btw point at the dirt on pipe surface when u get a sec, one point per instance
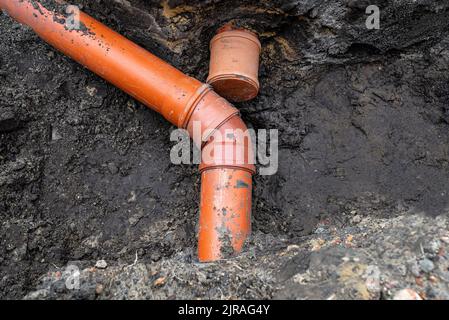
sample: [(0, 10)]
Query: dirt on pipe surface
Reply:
[(357, 210)]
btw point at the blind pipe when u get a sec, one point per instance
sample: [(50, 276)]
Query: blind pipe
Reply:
[(226, 177)]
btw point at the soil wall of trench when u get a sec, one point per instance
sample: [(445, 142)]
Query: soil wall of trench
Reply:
[(85, 171)]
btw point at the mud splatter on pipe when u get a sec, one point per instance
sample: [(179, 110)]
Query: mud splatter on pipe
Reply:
[(225, 208)]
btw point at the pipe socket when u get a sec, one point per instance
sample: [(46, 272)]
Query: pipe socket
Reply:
[(234, 63)]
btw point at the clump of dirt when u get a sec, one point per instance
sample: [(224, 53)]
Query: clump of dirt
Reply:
[(363, 120)]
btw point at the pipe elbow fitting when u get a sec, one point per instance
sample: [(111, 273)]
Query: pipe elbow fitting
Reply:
[(226, 170)]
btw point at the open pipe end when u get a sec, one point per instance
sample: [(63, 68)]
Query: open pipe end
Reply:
[(225, 213)]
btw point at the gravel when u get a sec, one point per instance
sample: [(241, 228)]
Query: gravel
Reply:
[(369, 267)]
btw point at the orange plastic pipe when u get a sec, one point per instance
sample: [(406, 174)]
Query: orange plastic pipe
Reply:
[(182, 100), (234, 63), (226, 189)]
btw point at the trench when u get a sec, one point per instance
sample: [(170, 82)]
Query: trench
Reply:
[(85, 172)]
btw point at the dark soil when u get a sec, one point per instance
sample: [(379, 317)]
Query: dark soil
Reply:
[(85, 172)]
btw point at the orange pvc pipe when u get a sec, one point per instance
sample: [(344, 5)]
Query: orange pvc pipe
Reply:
[(225, 212), (182, 100), (131, 68), (234, 63), (226, 189)]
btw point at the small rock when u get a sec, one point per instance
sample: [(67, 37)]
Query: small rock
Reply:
[(407, 294), (132, 197), (101, 264), (74, 120), (159, 281), (372, 282), (402, 270), (433, 279), (438, 294), (202, 277), (59, 286), (414, 268), (85, 292), (99, 289), (112, 167), (317, 244), (426, 265), (91, 90), (445, 240), (38, 295), (292, 247), (432, 247), (320, 230), (155, 256), (419, 281), (55, 135), (349, 238)]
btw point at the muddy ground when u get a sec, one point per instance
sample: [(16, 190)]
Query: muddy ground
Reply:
[(363, 116)]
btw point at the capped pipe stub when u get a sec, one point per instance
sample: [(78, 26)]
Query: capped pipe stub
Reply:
[(234, 64)]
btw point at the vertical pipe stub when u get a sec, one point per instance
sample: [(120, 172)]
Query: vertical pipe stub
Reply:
[(225, 213), (234, 63)]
